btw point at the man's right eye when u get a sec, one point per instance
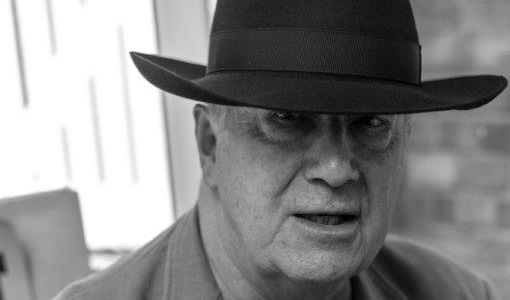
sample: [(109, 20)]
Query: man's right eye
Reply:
[(283, 126)]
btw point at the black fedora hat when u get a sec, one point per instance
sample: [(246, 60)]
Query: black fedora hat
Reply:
[(324, 56)]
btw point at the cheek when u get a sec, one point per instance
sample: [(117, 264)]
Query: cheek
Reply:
[(258, 167), (383, 174), (251, 178)]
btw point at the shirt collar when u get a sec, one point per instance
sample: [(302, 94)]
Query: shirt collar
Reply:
[(189, 275)]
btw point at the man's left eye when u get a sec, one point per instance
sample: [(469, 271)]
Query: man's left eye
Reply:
[(282, 116), (373, 132), (370, 122)]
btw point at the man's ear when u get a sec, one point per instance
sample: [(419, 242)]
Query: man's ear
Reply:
[(206, 142), (408, 127)]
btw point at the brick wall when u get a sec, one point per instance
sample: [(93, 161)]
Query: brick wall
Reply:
[(457, 193)]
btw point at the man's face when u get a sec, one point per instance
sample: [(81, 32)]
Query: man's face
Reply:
[(305, 195)]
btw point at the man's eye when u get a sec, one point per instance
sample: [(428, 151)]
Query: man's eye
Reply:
[(282, 126), (370, 122), (286, 116), (373, 132)]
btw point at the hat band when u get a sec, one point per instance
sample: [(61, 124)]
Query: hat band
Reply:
[(304, 50)]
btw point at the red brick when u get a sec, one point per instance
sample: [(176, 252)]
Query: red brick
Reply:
[(461, 136), (434, 17), (435, 171), (475, 208), (445, 209), (504, 214), (425, 135), (415, 207), (492, 137), (497, 139), (484, 172), (494, 251)]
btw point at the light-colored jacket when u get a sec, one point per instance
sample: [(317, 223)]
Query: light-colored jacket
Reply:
[(174, 267)]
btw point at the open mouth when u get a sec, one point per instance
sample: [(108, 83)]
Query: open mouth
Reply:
[(325, 219)]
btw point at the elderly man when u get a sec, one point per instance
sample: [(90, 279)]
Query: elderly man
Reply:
[(301, 146)]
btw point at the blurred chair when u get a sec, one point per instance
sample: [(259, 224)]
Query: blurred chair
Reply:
[(15, 281), (41, 236)]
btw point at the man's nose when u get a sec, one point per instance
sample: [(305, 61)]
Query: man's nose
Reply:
[(331, 163)]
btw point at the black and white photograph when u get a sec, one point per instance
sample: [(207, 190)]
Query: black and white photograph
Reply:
[(255, 150)]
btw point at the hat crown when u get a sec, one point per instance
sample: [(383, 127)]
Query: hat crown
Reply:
[(382, 18)]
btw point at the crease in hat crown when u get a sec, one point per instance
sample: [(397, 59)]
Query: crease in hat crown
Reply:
[(381, 18), (358, 38)]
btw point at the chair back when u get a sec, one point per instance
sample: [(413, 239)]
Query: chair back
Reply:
[(14, 279), (49, 233)]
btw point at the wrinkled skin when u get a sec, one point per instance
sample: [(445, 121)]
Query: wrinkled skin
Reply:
[(262, 167)]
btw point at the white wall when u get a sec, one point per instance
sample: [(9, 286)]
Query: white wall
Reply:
[(88, 121), (184, 34)]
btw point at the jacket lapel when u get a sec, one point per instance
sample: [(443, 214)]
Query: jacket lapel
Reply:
[(371, 285), (188, 275)]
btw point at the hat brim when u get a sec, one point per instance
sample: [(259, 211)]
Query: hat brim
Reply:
[(316, 93)]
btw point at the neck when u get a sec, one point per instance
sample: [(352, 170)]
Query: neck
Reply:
[(250, 285)]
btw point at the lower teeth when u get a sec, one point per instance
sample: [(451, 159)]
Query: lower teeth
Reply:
[(325, 219)]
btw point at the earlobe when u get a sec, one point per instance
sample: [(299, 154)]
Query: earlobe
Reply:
[(206, 143)]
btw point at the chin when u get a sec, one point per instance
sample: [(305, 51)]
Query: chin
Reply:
[(316, 276), (317, 268)]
